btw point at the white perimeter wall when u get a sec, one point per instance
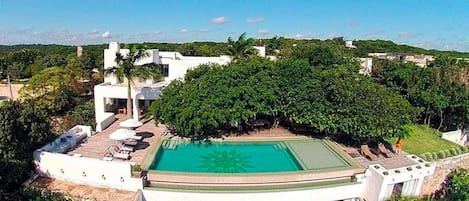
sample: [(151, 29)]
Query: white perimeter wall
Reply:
[(456, 136), (379, 186), (178, 68), (88, 171), (320, 194)]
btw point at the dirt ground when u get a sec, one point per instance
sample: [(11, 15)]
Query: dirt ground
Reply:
[(84, 192), (5, 91)]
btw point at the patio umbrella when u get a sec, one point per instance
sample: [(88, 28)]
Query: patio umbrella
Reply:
[(130, 123), (122, 134)]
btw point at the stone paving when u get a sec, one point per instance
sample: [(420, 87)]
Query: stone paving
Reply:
[(399, 160)]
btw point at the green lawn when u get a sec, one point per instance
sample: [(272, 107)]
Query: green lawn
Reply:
[(423, 139)]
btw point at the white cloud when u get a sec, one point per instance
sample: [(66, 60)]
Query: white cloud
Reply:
[(106, 34), (203, 30), (263, 32), (158, 32), (183, 30), (255, 20), (220, 20), (298, 36)]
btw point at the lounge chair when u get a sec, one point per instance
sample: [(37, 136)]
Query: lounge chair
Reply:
[(385, 151), (365, 151), (114, 151), (130, 142), (124, 147)]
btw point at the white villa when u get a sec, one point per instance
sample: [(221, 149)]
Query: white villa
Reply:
[(327, 170), (110, 97)]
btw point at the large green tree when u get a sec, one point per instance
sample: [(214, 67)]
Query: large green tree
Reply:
[(23, 128), (215, 100), (52, 89), (127, 71)]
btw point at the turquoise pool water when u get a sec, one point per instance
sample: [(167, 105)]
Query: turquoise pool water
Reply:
[(226, 157)]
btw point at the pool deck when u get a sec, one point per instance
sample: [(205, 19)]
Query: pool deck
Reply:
[(400, 160), (96, 145)]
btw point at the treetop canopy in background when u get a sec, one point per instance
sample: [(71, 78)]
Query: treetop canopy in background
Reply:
[(215, 100)]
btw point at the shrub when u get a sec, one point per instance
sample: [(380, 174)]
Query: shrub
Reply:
[(448, 153), (136, 168), (434, 156), (464, 149), (428, 156), (441, 154), (423, 156), (455, 151), (455, 187), (83, 114)]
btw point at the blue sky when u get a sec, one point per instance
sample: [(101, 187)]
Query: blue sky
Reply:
[(424, 23)]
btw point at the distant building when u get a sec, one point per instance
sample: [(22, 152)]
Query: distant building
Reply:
[(260, 50), (79, 51), (366, 66), (349, 44), (419, 59)]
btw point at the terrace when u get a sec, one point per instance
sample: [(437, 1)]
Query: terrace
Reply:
[(97, 145)]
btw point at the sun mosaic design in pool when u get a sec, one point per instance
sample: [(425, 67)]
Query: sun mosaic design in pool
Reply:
[(225, 162)]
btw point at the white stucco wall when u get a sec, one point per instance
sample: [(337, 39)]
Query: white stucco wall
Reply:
[(88, 171), (318, 194), (379, 186), (179, 67), (457, 136)]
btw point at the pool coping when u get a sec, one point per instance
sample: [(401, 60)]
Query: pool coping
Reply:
[(227, 180)]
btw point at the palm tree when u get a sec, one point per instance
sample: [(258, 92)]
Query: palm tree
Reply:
[(127, 70), (242, 48)]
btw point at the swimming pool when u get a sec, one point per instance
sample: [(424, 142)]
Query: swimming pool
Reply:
[(226, 157)]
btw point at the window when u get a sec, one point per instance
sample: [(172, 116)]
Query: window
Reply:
[(164, 69)]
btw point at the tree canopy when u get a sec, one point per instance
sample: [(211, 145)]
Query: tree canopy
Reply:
[(440, 91), (23, 129), (215, 100), (52, 89)]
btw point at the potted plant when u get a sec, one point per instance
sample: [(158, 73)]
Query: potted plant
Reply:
[(409, 168), (385, 173), (136, 171)]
